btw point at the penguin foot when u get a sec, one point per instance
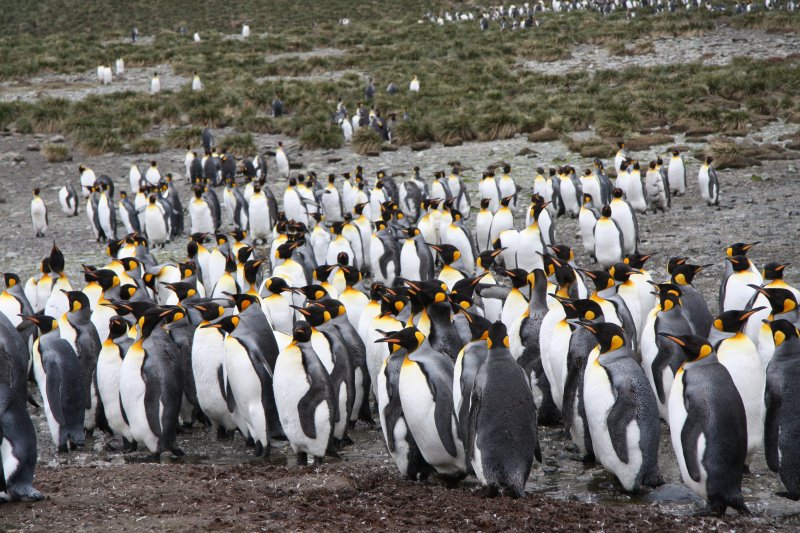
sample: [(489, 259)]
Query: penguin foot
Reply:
[(177, 452), (129, 446), (346, 440), (249, 442), (259, 451), (63, 448), (302, 458), (791, 496), (332, 452), (28, 494), (746, 470), (488, 492)]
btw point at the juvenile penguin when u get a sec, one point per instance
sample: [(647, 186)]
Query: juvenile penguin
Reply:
[(621, 410), (708, 426), (782, 427), (502, 438), (304, 396)]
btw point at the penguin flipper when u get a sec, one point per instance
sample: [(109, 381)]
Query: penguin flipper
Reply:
[(690, 433), (122, 411), (472, 419), (771, 431), (152, 403), (225, 388), (620, 416), (55, 390), (496, 292), (443, 417), (570, 391), (308, 406)]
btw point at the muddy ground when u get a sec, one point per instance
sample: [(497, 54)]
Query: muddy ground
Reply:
[(217, 486)]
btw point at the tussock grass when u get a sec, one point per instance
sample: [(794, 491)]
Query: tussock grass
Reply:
[(56, 153), (366, 140), (183, 137), (239, 144), (146, 146), (322, 136)]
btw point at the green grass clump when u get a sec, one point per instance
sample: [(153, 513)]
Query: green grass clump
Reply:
[(366, 140), (101, 141), (56, 153), (146, 146), (457, 127), (183, 137), (323, 136), (238, 144), (412, 131), (502, 125)]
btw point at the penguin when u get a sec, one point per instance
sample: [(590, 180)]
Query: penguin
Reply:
[(621, 155), (708, 426), (127, 214), (488, 189), (458, 235), (414, 85), (708, 182), (502, 439), (200, 213), (460, 193), (281, 161), (57, 371), (153, 176), (17, 447), (156, 223), (502, 220), (449, 275), (87, 177), (109, 363), (304, 396), (75, 326), (392, 303), (69, 200), (694, 305), (426, 396), (106, 214), (483, 225), (587, 219), (676, 174), (14, 302), (736, 291), (197, 85), (736, 249), (737, 353), (569, 192), (151, 386), (399, 439), (155, 84), (609, 245), (782, 421), (259, 216), (469, 360), (416, 260), (661, 359), (773, 278), (135, 177), (654, 189), (621, 410), (623, 214), (38, 214)]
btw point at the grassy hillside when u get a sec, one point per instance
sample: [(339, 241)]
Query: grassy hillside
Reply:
[(473, 84)]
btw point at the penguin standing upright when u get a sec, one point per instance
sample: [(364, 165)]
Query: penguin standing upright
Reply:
[(708, 426), (736, 291), (695, 308), (623, 214), (58, 374), (708, 182), (502, 439), (109, 363), (621, 410), (38, 214), (676, 174), (69, 200), (609, 240), (151, 386), (654, 189), (782, 427), (281, 161), (304, 396), (416, 260)]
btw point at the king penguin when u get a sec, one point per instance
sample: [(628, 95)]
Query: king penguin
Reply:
[(708, 426)]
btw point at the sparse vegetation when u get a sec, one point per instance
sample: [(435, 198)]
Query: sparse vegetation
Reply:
[(146, 146), (366, 140), (56, 153), (239, 144)]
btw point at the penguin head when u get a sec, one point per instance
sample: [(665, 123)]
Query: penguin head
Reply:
[(684, 274), (77, 300), (334, 307), (209, 309), (411, 232), (709, 160), (117, 327), (739, 248), (506, 200), (739, 263), (127, 291), (393, 301), (238, 235), (782, 330), (780, 300), (605, 212), (244, 253), (314, 314), (486, 258), (427, 292), (130, 264), (10, 279), (322, 273), (694, 347), (276, 285), (586, 310), (182, 289), (518, 277), (478, 325), (243, 301), (285, 250), (674, 262), (498, 336), (485, 203), (587, 199), (36, 192), (637, 260), (376, 290), (56, 260), (620, 145), (301, 331), (610, 337), (447, 252), (602, 279), (45, 323), (652, 165), (409, 338), (675, 152), (151, 199), (199, 238), (312, 292), (774, 271), (188, 269), (733, 321), (668, 300), (562, 252), (251, 269), (227, 324), (172, 314)]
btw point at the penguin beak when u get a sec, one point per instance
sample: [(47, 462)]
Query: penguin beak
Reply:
[(758, 288), (750, 245), (29, 318), (750, 313), (587, 325), (674, 339), (388, 340), (303, 311)]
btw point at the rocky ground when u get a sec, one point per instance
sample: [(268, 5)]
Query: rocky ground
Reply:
[(218, 486)]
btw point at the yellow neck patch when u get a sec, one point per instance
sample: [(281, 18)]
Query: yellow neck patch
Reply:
[(779, 338)]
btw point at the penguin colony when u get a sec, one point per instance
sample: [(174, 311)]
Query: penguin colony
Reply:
[(465, 342), (523, 16)]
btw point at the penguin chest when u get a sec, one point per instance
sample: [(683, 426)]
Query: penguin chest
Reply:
[(677, 419), (555, 364), (410, 263), (277, 310), (207, 362), (41, 380), (132, 391), (242, 377), (529, 243), (483, 223), (109, 368), (419, 409), (514, 306), (737, 290), (449, 276), (587, 222)]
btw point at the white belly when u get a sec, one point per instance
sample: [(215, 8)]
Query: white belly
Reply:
[(108, 381), (207, 357), (131, 392)]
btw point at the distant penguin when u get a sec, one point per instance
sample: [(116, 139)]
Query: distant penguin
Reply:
[(120, 66), (281, 161), (708, 182), (38, 214), (782, 428), (196, 37), (654, 189), (708, 426), (624, 215), (87, 177), (69, 200), (197, 85), (414, 85), (502, 438), (621, 410), (155, 84), (676, 174), (245, 30)]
